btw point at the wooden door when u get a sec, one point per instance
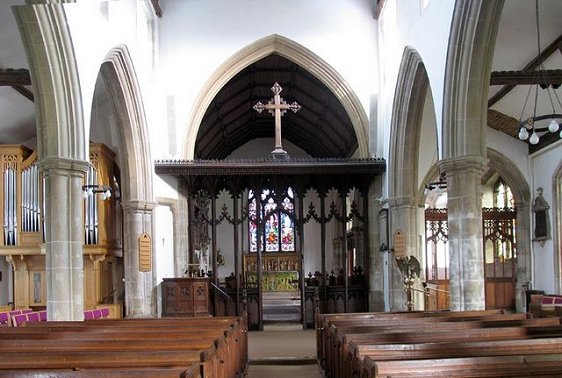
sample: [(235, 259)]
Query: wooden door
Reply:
[(500, 257)]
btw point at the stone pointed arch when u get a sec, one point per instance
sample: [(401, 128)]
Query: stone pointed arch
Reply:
[(62, 150), (431, 174), (405, 127), (409, 100), (120, 78), (511, 174), (513, 177), (467, 77), (463, 143), (58, 100), (276, 44)]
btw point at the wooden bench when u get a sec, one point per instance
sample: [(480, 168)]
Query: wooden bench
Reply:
[(528, 365), (452, 349), (359, 346), (545, 305), (214, 347), (323, 322), (135, 337), (340, 332), (354, 346)]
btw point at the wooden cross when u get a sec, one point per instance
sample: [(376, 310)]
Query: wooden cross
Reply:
[(277, 107)]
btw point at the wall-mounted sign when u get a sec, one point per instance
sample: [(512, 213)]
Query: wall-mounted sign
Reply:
[(145, 253), (399, 244)]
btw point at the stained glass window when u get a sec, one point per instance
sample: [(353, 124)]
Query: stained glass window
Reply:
[(503, 197), (279, 224)]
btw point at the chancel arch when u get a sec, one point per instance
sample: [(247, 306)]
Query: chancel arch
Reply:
[(294, 52)]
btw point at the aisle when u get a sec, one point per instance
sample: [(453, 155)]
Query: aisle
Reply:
[(283, 351)]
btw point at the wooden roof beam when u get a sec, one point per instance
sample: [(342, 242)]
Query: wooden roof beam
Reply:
[(532, 65), (14, 77), (544, 78)]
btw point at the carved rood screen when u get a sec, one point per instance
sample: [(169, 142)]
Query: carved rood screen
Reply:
[(436, 237)]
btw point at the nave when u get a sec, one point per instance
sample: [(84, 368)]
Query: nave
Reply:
[(282, 350)]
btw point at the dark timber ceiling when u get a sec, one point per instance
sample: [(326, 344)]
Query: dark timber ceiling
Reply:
[(321, 127)]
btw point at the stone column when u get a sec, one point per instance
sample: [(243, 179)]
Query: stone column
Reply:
[(466, 252), (64, 238), (140, 292), (524, 259), (403, 211)]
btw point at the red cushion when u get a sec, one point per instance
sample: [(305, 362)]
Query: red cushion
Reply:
[(19, 320), (547, 300)]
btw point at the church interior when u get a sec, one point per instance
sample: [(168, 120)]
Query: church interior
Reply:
[(235, 166)]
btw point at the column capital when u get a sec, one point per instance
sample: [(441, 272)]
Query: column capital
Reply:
[(139, 205), (403, 201), (474, 163), (66, 165)]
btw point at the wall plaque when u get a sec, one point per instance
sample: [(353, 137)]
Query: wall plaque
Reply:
[(145, 253), (399, 241)]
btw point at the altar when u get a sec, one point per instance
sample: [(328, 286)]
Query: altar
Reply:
[(280, 271)]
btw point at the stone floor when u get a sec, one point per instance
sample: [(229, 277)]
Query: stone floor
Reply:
[(283, 350)]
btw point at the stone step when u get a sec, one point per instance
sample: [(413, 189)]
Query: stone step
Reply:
[(281, 302)]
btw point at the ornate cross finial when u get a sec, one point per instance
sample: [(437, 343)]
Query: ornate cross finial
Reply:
[(277, 107)]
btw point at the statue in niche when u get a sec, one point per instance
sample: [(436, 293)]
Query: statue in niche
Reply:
[(542, 220)]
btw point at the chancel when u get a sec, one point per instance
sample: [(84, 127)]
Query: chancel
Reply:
[(220, 173)]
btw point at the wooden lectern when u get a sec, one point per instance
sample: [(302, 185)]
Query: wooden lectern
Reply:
[(185, 296)]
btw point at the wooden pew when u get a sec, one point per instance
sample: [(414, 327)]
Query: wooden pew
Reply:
[(117, 330), (216, 347), (340, 332), (354, 346), (439, 345), (527, 365), (323, 322)]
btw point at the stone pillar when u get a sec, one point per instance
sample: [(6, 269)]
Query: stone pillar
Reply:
[(466, 252), (64, 237), (403, 211), (140, 294), (524, 258)]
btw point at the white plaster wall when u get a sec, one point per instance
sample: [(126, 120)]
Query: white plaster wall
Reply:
[(543, 169), (514, 149), (97, 27), (412, 28), (163, 255), (262, 147), (198, 36), (428, 154), (164, 243)]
